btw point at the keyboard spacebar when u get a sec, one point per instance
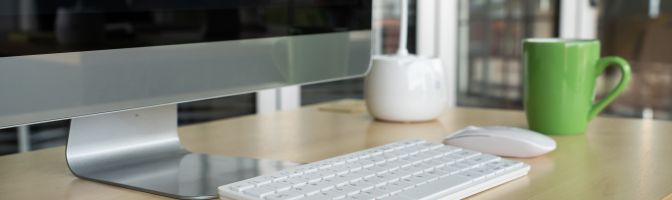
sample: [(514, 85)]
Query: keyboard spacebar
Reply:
[(437, 188)]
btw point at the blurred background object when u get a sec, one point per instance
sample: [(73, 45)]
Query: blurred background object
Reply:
[(489, 70), (641, 32)]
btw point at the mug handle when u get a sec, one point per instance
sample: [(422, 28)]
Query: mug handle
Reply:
[(602, 64)]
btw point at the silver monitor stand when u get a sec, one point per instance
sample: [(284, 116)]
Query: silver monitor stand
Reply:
[(140, 150)]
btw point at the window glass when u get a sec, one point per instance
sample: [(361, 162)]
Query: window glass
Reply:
[(639, 31), (490, 32)]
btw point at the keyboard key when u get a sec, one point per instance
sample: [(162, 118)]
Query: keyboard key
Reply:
[(440, 185), (471, 174), (484, 158), (239, 187), (414, 149), (286, 195), (486, 170), (306, 178), (259, 192), (435, 163), (396, 197), (347, 189), (363, 185), (378, 168), (400, 185), (446, 160), (447, 149), (394, 175), (377, 194), (363, 196), (434, 173), (364, 163), (278, 186), (325, 195), (377, 160), (386, 189), (467, 153), (420, 178), (315, 187), (460, 166)]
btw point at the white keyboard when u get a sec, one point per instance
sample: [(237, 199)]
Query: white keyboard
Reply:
[(413, 170)]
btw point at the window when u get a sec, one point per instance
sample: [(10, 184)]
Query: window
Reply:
[(639, 31), (490, 34)]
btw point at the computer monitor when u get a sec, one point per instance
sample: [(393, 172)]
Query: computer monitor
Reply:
[(118, 69)]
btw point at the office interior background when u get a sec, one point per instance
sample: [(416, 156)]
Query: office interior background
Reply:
[(488, 70)]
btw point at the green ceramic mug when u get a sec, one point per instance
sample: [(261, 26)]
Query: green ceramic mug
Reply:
[(559, 83)]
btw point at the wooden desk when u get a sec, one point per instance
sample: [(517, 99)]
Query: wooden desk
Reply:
[(616, 159)]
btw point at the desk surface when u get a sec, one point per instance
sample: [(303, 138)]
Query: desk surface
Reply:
[(617, 158)]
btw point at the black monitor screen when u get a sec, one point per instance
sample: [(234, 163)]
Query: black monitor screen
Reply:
[(57, 26)]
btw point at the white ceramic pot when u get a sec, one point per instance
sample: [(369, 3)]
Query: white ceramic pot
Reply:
[(405, 88)]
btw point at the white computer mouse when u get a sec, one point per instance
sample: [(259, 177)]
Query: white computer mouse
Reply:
[(502, 141)]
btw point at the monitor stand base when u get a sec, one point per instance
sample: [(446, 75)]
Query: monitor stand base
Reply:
[(141, 150)]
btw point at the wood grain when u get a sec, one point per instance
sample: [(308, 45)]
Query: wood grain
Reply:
[(616, 159)]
